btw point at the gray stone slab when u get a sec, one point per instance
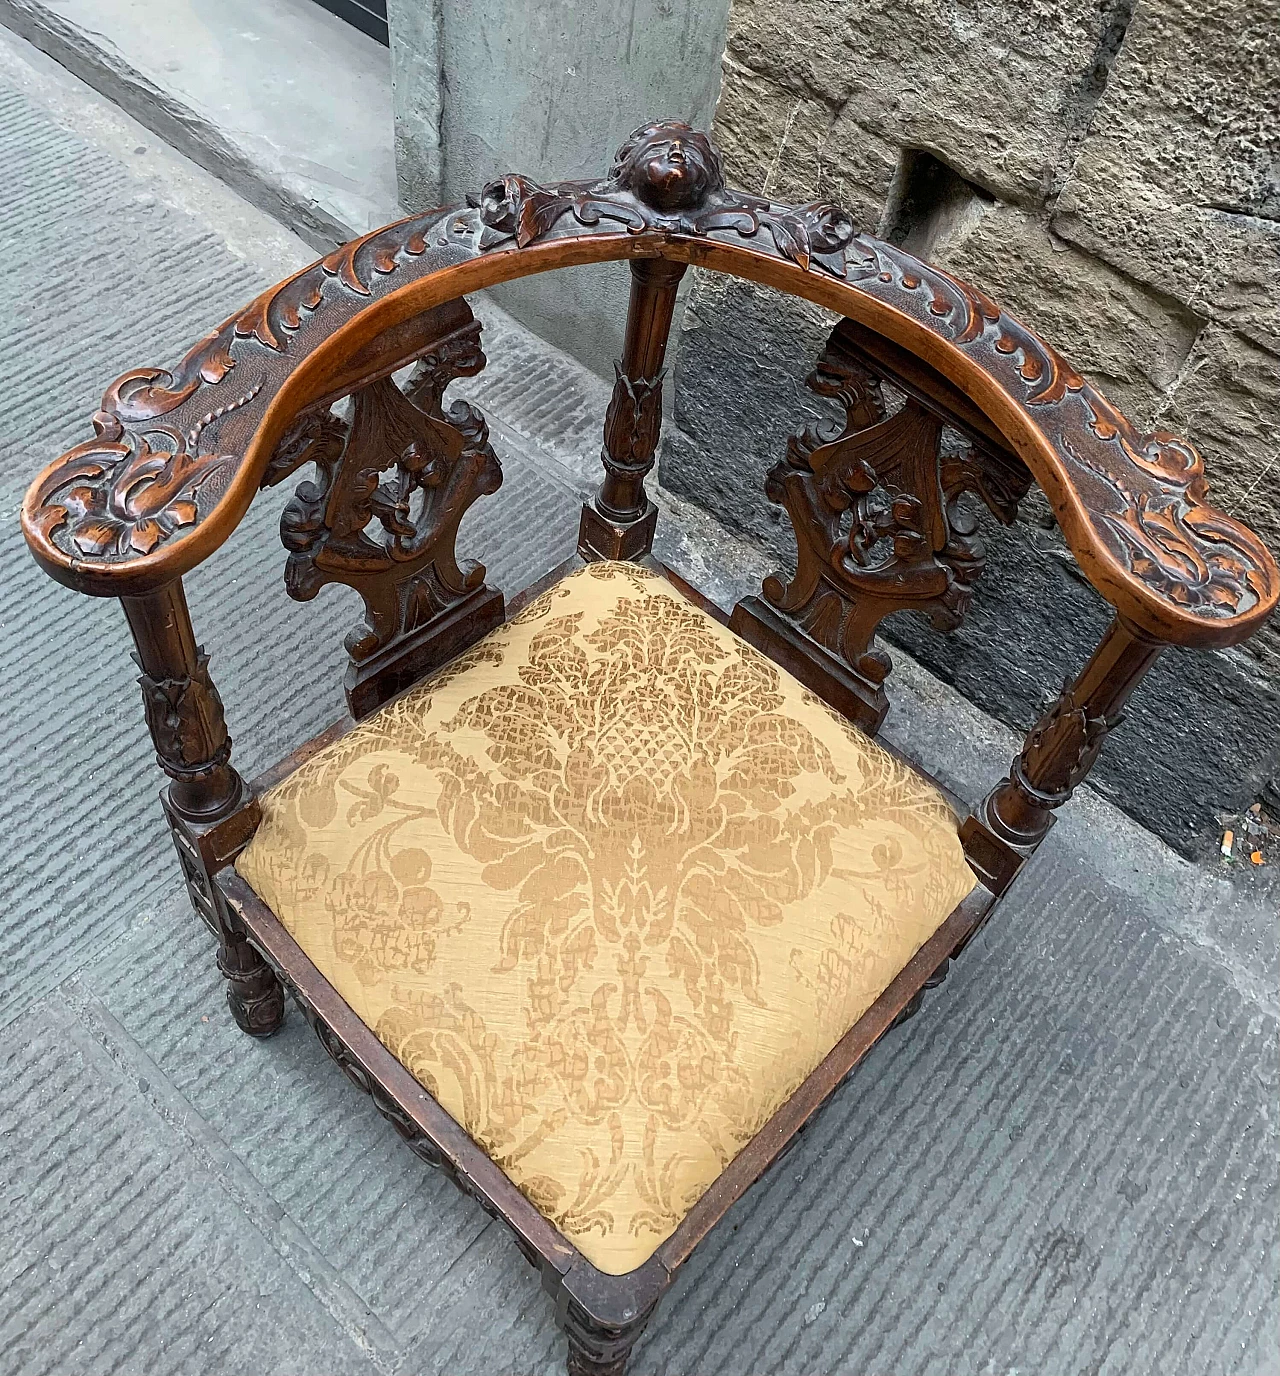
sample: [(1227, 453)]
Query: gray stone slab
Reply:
[(1065, 1164), (297, 1133), (284, 101), (122, 1251), (550, 90)]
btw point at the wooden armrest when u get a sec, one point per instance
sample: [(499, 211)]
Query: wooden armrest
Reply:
[(178, 455)]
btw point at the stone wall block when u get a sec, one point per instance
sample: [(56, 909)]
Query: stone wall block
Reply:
[(1178, 180), (995, 90), (798, 148), (1129, 340), (1227, 396)]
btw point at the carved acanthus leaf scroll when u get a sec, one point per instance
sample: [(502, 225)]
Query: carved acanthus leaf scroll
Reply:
[(632, 424), (879, 521), (186, 722), (1063, 745), (390, 489), (1133, 506)]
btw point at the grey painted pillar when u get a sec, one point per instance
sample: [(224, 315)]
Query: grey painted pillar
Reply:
[(484, 87), (414, 27)]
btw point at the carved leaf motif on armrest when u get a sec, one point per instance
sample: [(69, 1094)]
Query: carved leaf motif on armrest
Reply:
[(134, 507)]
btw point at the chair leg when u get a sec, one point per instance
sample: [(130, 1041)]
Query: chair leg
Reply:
[(184, 716), (585, 1363), (603, 1316), (253, 992)]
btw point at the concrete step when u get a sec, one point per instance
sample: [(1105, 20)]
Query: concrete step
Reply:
[(283, 101)]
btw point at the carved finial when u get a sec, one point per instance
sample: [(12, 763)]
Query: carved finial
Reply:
[(669, 165)]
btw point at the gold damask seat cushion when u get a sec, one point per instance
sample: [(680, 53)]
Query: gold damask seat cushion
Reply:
[(610, 886)]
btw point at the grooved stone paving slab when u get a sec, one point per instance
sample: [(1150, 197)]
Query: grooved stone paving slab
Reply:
[(1065, 1165), (98, 277), (124, 1251)]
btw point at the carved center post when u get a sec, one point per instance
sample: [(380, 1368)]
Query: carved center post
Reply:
[(621, 523)]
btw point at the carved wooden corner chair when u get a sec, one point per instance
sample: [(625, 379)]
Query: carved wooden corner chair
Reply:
[(604, 909)]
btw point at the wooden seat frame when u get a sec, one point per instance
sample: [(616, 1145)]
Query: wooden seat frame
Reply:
[(880, 505)]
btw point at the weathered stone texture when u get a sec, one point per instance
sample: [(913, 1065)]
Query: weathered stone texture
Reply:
[(1108, 173), (1136, 341), (796, 147), (1228, 398), (994, 88), (742, 366), (1178, 181)]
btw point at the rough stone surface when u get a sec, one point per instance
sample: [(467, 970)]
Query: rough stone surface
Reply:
[(1137, 341), (736, 343), (1108, 174), (1178, 181), (1227, 395), (996, 90), (810, 149)]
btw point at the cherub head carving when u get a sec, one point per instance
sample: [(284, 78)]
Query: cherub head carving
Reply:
[(669, 165)]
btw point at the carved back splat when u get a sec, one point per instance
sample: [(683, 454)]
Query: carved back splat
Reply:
[(879, 526), (382, 516)]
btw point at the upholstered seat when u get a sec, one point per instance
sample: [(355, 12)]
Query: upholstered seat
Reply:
[(610, 886)]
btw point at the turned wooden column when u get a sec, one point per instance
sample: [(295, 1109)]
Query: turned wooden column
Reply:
[(208, 808), (620, 523), (1062, 746), (184, 711)]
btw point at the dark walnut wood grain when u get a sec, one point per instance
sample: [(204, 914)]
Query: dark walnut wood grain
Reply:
[(881, 501), (177, 455), (881, 525)]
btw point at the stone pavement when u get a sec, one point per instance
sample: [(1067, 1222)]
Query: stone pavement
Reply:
[(1066, 1164)]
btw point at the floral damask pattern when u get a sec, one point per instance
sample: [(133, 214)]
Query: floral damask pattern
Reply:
[(610, 887)]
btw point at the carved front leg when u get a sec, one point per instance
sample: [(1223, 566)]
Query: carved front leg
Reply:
[(207, 805), (603, 1316)]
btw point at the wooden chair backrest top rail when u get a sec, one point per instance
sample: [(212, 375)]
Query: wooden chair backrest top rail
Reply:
[(178, 455)]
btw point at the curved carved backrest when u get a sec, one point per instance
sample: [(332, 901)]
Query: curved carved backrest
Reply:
[(878, 500)]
